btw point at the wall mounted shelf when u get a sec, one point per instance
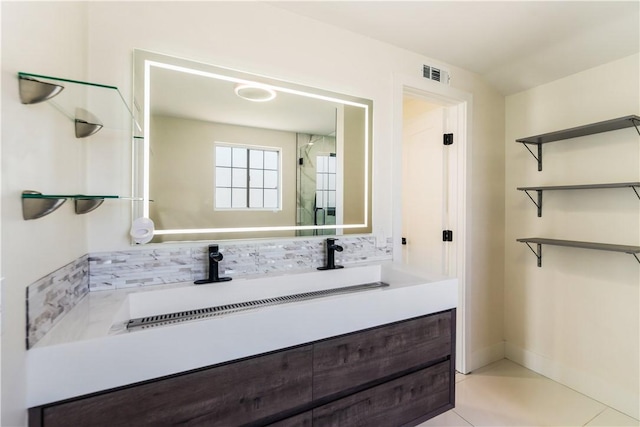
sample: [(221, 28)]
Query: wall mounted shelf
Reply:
[(36, 205), (539, 190), (590, 129), (633, 250), (89, 105)]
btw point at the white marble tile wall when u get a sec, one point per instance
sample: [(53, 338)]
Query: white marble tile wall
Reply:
[(54, 295), (49, 298)]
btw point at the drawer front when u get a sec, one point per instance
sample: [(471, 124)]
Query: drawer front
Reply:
[(396, 403), (350, 361), (224, 396)]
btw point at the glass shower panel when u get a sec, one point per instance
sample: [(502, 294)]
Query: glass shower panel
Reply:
[(316, 164)]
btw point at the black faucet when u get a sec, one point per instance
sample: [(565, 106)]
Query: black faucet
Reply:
[(331, 255), (214, 258)]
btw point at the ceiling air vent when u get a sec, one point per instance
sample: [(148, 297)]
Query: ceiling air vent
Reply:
[(435, 74)]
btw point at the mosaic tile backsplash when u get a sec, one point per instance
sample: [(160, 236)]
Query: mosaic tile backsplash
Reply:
[(126, 269), (54, 295), (51, 297)]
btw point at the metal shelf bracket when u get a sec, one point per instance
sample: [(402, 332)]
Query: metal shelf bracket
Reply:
[(537, 253), (538, 157), (538, 203)]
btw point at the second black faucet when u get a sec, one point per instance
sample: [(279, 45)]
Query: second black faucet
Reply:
[(331, 255), (215, 256)]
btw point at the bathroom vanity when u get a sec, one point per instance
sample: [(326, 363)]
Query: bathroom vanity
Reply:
[(377, 358)]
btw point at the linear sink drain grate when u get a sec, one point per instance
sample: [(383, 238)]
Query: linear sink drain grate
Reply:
[(219, 310)]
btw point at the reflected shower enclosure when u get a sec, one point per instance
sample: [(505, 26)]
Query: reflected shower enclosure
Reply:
[(316, 194)]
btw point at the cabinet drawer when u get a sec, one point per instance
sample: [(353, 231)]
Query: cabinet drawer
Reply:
[(227, 395), (406, 400), (350, 361)]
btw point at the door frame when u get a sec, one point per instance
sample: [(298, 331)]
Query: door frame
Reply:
[(442, 94)]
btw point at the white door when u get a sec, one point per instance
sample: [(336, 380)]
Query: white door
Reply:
[(425, 190)]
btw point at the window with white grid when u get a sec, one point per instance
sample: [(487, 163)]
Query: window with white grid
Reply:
[(247, 177)]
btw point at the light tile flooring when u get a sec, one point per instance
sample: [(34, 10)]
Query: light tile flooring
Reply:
[(507, 394)]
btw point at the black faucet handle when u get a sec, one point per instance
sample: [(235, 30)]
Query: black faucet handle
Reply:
[(214, 253), (331, 244)]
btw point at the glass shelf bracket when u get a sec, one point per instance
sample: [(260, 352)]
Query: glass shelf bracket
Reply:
[(36, 205), (590, 129), (78, 101)]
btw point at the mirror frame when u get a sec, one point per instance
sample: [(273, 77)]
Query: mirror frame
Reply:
[(143, 60)]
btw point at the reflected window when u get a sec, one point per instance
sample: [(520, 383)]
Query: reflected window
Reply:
[(247, 177)]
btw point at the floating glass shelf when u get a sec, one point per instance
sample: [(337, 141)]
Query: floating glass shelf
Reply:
[(36, 205), (633, 250), (89, 105)]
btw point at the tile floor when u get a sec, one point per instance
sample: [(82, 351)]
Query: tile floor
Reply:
[(507, 394)]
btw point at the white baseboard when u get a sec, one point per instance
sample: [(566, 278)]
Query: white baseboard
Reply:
[(584, 382), (484, 356)]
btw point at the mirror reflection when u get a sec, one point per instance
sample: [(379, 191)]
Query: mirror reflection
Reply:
[(226, 154)]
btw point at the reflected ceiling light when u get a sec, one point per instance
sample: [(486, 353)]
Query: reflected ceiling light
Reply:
[(254, 93)]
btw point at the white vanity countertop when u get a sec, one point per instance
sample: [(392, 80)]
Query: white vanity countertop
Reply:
[(88, 350)]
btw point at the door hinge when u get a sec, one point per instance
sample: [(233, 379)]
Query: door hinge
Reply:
[(448, 139), (404, 241), (447, 236)]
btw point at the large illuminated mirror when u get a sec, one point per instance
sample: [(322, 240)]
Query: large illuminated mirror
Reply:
[(230, 155)]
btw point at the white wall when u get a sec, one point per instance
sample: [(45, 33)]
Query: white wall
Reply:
[(254, 37), (39, 152), (576, 319)]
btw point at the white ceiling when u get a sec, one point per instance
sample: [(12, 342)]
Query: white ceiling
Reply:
[(514, 45)]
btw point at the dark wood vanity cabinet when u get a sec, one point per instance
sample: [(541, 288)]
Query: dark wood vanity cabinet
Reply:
[(393, 375)]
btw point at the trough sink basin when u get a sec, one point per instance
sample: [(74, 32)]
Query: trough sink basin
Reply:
[(197, 302), (219, 310)]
